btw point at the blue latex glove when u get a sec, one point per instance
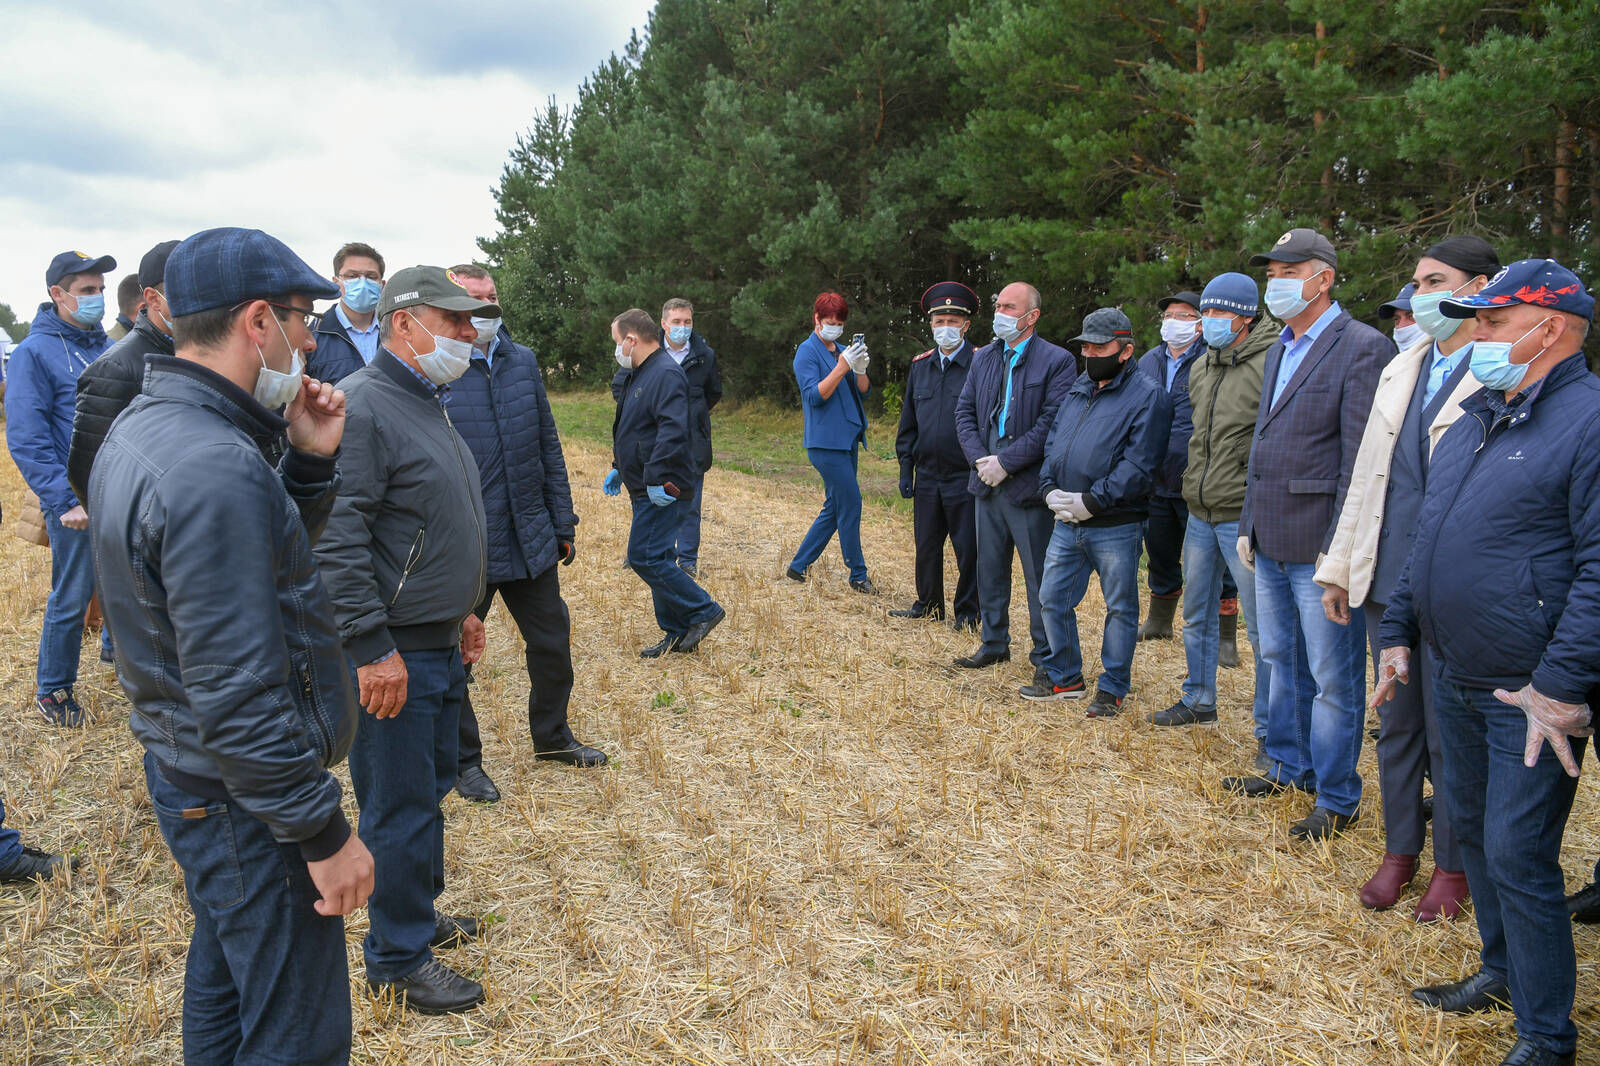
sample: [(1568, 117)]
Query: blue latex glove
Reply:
[(613, 484), (658, 495)]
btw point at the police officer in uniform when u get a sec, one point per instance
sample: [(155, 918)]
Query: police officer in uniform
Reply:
[(933, 468)]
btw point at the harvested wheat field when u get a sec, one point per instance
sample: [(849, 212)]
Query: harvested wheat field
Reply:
[(817, 843)]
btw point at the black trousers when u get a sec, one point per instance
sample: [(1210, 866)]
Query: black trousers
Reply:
[(541, 616), (943, 509), (1163, 544)]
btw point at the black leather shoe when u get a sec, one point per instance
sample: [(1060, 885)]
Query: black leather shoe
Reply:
[(452, 930), (656, 651), (1427, 808), (432, 988), (866, 586), (918, 611), (697, 632), (1254, 787), (794, 575), (1584, 904), (1523, 1053), (980, 658), (473, 784), (1321, 824), (968, 625), (579, 755), (1483, 991), (32, 862)]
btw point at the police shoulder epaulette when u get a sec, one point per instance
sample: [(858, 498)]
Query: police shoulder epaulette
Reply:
[(923, 356)]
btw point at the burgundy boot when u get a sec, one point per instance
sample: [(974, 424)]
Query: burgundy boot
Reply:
[(1445, 894), (1394, 874)]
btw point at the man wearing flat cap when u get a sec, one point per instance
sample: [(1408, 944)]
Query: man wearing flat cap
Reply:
[(933, 468), (65, 337), (1317, 392), (404, 557), (1503, 585), (227, 649)]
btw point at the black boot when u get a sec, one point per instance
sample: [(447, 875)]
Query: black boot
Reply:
[(1228, 628), (1158, 626)]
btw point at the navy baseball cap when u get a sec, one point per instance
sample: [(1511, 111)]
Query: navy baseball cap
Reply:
[(1105, 325), (226, 266), (1541, 282), (1184, 297), (77, 263), (1401, 302), (153, 267), (950, 297)]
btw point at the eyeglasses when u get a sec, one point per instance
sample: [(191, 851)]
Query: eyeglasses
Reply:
[(351, 275), (1180, 316), (307, 315)]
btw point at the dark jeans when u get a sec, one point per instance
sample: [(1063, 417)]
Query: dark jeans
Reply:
[(541, 617), (266, 979), (71, 586), (401, 768), (945, 510), (10, 841), (841, 512), (688, 547), (1004, 527), (1164, 533), (679, 601), (1509, 823)]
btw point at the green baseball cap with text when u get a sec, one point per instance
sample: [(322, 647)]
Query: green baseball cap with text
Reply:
[(431, 286)]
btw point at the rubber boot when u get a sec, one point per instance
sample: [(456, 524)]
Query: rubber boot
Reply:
[(1228, 627), (1158, 626)]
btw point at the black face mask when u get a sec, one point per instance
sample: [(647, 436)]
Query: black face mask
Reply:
[(1102, 368)]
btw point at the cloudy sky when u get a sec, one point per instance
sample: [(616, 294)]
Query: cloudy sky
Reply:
[(322, 121)]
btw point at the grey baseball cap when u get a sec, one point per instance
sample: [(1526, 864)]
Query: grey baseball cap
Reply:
[(431, 286), (1297, 246), (1105, 325)]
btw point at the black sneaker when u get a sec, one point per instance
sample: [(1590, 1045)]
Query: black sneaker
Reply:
[(32, 862), (1104, 705), (656, 651), (59, 708), (795, 575), (432, 988), (1181, 713), (1042, 691), (865, 585)]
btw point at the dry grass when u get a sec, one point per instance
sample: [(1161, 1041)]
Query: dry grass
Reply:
[(817, 844)]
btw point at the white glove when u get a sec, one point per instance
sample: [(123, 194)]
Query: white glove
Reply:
[(1394, 668), (856, 356), (1056, 500), (990, 472), (1549, 720), (1075, 509), (1247, 554)]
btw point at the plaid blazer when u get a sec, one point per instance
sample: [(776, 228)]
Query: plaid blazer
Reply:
[(1305, 445)]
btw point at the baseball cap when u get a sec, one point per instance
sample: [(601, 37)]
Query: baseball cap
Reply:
[(951, 297), (153, 267), (431, 286), (77, 263), (1541, 282), (228, 265), (1468, 253), (1232, 291), (1105, 325), (1297, 246), (1184, 297), (1401, 302)]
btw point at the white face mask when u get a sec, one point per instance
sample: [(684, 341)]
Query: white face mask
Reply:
[(830, 333), (623, 360), (275, 389), (1406, 336), (448, 360), (1178, 333), (487, 328), (948, 338)]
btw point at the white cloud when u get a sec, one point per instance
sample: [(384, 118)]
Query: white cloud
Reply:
[(273, 122)]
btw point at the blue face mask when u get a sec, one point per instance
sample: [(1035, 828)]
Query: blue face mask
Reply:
[(1285, 297), (1425, 309), (1218, 332), (679, 335), (91, 309), (361, 295), (1491, 362)]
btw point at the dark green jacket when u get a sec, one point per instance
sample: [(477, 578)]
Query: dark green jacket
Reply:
[(1225, 391)]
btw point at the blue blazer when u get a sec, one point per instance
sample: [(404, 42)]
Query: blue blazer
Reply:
[(840, 421)]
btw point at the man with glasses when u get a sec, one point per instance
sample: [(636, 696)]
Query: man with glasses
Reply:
[(347, 338), (227, 649)]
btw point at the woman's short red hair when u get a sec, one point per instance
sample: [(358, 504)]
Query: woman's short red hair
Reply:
[(831, 305)]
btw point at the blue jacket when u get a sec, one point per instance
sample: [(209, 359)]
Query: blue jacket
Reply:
[(705, 392), (840, 421), (41, 395), (1044, 374), (1169, 479), (502, 410), (1108, 444), (336, 356), (1504, 576), (650, 434)]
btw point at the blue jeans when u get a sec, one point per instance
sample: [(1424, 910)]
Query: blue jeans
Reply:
[(71, 586), (402, 767), (1112, 552), (1314, 726), (1509, 820), (679, 601), (266, 979), (688, 546), (1211, 551), (841, 512), (10, 840)]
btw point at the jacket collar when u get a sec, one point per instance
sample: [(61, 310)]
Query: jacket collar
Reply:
[(147, 329), (1085, 385), (1520, 407), (46, 321), (1320, 347), (330, 324), (189, 381), (401, 375), (962, 356)]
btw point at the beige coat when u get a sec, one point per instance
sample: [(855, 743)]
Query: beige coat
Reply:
[(1352, 556)]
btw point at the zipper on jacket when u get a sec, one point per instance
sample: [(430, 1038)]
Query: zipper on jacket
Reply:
[(1211, 415), (412, 558), (1066, 453), (323, 726)]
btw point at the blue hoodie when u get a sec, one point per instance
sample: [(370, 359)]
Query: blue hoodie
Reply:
[(41, 393)]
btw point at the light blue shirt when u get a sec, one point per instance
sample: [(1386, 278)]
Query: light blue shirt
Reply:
[(1440, 367), (1015, 356), (1295, 349), (487, 355), (365, 340)]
